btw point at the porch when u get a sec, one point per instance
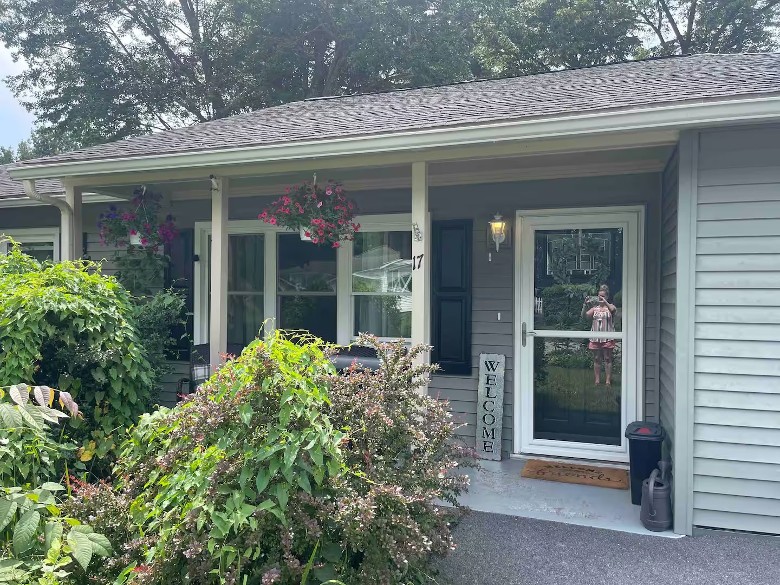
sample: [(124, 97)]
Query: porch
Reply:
[(468, 296), (498, 488)]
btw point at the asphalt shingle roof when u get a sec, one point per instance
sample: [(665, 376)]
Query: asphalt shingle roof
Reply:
[(11, 189), (636, 84)]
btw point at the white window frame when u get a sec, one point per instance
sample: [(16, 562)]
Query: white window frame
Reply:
[(202, 269), (33, 236), (345, 312), (397, 222)]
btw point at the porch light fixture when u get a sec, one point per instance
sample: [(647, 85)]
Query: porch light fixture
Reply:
[(497, 230)]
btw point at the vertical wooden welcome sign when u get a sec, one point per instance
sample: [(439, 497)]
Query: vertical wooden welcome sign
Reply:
[(490, 409)]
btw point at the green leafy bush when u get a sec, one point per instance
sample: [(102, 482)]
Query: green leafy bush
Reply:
[(278, 470), (29, 455), (38, 545), (155, 317), (68, 326)]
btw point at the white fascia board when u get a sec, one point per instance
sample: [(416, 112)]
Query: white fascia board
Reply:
[(29, 202), (676, 116)]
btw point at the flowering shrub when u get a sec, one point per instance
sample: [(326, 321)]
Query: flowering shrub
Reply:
[(324, 214), (139, 225), (280, 471)]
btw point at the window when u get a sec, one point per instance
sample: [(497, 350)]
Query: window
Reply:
[(246, 277), (41, 244), (306, 286), (382, 283), (334, 293)]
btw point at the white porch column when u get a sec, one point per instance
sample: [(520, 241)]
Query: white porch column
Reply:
[(421, 249), (71, 238), (218, 270)]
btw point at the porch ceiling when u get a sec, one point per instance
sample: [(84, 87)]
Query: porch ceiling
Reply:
[(471, 170)]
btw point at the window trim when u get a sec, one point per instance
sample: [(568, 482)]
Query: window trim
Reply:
[(345, 311), (34, 236)]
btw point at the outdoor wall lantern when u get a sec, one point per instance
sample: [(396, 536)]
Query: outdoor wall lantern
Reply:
[(498, 230)]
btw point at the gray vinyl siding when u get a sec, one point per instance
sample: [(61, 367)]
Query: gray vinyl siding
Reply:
[(493, 288), (736, 429), (668, 298)]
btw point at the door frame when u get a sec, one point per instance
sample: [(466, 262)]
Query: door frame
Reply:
[(633, 372)]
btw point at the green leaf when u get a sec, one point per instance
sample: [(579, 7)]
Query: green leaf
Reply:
[(304, 483), (7, 511), (52, 487), (51, 531), (246, 411), (282, 495), (25, 531), (81, 546), (262, 480), (101, 546), (19, 394), (9, 416)]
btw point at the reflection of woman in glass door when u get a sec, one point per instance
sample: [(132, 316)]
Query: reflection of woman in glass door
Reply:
[(601, 316)]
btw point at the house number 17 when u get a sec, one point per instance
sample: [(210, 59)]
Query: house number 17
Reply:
[(417, 261)]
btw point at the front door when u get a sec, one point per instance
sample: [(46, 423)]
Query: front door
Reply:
[(580, 282)]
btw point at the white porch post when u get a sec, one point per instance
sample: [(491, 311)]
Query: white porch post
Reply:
[(218, 270), (71, 225), (421, 249)]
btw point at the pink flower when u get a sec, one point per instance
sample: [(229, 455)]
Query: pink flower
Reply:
[(272, 221), (328, 191), (336, 245)]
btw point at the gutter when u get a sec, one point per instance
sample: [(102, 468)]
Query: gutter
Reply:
[(61, 204), (677, 117)]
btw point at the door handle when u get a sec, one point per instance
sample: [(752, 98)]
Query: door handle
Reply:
[(525, 333)]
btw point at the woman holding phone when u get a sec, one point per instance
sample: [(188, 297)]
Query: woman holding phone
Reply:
[(601, 315)]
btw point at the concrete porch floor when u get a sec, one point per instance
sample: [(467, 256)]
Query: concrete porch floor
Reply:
[(498, 488)]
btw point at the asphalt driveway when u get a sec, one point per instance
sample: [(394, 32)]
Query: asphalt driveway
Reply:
[(505, 550)]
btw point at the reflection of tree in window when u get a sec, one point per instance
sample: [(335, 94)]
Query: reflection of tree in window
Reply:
[(382, 283), (306, 286)]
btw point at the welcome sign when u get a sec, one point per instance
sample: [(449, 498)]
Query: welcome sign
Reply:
[(490, 409)]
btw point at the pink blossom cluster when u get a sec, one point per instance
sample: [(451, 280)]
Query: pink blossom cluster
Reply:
[(326, 215)]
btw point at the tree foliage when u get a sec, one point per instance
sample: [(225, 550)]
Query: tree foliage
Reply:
[(710, 26)]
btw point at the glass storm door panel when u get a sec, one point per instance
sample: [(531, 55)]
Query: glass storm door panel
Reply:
[(578, 332)]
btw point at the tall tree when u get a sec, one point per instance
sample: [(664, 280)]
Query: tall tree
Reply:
[(530, 36), (106, 69), (710, 26)]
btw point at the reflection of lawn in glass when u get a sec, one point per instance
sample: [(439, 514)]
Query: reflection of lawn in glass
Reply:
[(574, 389)]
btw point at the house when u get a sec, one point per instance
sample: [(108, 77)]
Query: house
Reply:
[(659, 179)]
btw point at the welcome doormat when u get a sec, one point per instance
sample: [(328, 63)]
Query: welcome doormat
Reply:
[(575, 473)]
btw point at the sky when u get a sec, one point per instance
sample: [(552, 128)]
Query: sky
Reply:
[(15, 122)]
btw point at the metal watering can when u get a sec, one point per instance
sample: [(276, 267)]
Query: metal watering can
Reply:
[(656, 512)]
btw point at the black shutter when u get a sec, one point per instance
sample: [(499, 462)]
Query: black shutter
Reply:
[(451, 296)]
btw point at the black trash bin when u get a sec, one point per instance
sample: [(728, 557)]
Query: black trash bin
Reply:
[(644, 450)]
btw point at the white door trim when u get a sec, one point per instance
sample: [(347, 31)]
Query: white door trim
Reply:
[(632, 218)]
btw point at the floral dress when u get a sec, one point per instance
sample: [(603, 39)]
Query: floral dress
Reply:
[(602, 321)]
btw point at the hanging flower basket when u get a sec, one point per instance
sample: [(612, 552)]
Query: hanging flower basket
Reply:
[(322, 215), (139, 224)]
